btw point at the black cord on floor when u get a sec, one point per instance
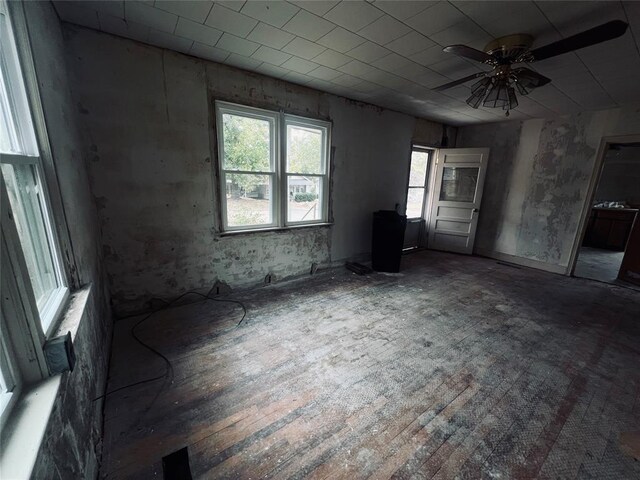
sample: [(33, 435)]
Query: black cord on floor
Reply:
[(169, 367)]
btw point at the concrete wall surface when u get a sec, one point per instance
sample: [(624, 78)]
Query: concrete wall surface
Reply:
[(72, 442), (151, 146), (537, 181)]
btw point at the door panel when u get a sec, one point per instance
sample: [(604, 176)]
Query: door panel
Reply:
[(456, 202)]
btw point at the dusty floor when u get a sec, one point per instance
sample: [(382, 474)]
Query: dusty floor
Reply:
[(598, 264), (457, 367)]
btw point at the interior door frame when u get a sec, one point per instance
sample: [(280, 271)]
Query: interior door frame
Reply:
[(428, 187), (598, 166)]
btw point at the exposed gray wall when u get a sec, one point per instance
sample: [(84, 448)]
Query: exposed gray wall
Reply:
[(537, 181), (620, 178), (151, 144), (71, 446)]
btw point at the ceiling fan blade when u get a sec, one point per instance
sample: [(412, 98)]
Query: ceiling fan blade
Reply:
[(602, 33), (468, 52), (530, 79), (458, 82)]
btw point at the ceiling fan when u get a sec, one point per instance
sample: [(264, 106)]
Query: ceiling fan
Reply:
[(497, 87)]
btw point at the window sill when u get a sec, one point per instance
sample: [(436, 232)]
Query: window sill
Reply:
[(28, 420), (274, 229)]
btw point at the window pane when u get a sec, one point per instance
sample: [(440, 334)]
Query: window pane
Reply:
[(459, 184), (305, 198), (415, 199), (304, 150), (247, 143), (418, 173), (25, 197), (249, 199)]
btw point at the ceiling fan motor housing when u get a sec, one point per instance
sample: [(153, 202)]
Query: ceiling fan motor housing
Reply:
[(509, 48)]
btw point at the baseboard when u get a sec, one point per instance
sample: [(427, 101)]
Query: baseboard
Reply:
[(525, 262)]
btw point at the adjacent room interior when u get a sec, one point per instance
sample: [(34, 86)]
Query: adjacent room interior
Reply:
[(313, 239)]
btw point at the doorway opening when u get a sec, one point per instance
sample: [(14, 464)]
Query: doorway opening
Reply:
[(612, 215), (417, 197)]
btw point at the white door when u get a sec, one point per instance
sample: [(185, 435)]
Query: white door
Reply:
[(456, 198)]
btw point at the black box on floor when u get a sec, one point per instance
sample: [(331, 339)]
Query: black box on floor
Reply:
[(387, 240)]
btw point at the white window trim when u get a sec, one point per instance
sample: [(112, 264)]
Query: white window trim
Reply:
[(279, 175), (22, 322), (427, 179)]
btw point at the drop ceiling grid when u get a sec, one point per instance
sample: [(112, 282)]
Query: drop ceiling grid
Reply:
[(389, 47)]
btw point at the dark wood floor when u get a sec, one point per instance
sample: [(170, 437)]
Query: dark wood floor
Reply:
[(457, 367)]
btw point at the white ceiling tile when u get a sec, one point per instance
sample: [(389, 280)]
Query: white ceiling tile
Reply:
[(74, 12), (196, 10), (436, 18), (275, 13), (465, 32), (119, 26), (298, 78), (431, 55), (198, 32), (386, 79), (366, 87), (270, 36), (299, 65), (431, 79), (241, 61), (108, 7), (309, 26), (272, 70), (324, 73), (392, 62), (368, 52), (229, 21), (208, 52), (384, 30), (347, 80), (353, 15), (271, 55), (405, 9), (341, 40), (357, 68), (332, 59), (454, 68), (232, 4), (237, 45), (319, 7), (412, 71), (303, 48), (152, 17), (170, 41), (410, 44)]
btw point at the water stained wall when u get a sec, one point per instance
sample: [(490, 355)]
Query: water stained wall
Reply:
[(151, 145), (537, 181)]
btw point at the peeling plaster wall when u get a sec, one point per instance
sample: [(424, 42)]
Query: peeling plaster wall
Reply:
[(72, 441), (537, 181), (151, 148)]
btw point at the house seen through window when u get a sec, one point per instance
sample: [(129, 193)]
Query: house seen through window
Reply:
[(269, 179)]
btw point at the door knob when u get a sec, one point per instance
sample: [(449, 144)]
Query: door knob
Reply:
[(476, 210)]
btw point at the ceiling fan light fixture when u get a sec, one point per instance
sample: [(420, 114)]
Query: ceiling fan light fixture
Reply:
[(522, 90), (476, 97), (498, 96)]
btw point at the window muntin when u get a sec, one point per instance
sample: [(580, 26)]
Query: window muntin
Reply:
[(416, 190), (266, 181)]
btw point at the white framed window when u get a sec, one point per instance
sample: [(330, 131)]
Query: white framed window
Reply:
[(273, 168), (418, 182), (33, 275)]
